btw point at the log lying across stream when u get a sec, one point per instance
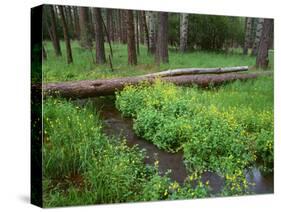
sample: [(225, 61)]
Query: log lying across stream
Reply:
[(93, 88)]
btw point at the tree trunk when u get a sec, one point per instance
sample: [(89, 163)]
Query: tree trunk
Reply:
[(248, 28), (137, 33), (146, 33), (119, 28), (54, 33), (257, 37), (141, 27), (262, 56), (85, 32), (76, 22), (132, 56), (66, 36), (70, 21), (109, 24), (92, 88), (161, 55), (152, 17), (122, 28), (100, 53), (183, 32)]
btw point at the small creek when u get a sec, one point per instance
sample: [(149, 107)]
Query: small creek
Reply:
[(116, 125)]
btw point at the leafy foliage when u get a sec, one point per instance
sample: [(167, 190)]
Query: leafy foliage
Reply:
[(223, 130)]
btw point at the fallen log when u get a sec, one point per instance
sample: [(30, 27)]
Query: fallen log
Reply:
[(186, 71), (93, 88)]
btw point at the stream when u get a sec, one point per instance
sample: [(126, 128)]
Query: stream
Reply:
[(116, 125)]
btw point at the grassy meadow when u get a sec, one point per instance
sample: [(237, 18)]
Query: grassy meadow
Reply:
[(56, 69)]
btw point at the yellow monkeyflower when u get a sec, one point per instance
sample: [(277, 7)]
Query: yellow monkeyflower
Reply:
[(156, 162)]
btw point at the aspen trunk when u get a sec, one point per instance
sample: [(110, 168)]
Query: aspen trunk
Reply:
[(183, 32)]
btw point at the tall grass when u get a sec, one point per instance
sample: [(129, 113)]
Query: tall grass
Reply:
[(56, 68), (81, 165)]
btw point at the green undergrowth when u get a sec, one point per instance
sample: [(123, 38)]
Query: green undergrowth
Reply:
[(224, 130), (81, 165), (55, 69)]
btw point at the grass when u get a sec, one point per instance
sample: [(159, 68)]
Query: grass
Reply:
[(56, 69), (81, 165)]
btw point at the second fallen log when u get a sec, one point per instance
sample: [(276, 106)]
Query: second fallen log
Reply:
[(187, 71)]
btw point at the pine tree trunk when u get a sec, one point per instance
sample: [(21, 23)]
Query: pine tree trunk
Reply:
[(66, 36), (76, 23), (100, 53), (183, 32), (68, 17), (262, 56), (54, 33), (109, 24), (85, 32), (132, 56), (248, 28), (119, 27), (141, 27), (137, 33), (258, 37), (152, 31), (124, 28), (146, 33), (161, 55)]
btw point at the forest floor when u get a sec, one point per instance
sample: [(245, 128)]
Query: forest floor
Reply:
[(56, 69)]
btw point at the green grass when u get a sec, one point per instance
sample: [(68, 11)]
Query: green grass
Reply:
[(56, 69), (81, 165)]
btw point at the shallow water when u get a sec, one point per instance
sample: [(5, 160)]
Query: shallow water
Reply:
[(116, 125)]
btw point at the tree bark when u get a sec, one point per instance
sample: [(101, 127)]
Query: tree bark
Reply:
[(146, 33), (257, 37), (123, 26), (92, 88), (152, 17), (66, 36), (137, 33), (262, 56), (109, 23), (76, 22), (247, 40), (70, 21), (85, 32), (54, 33), (183, 32), (132, 56), (141, 27), (100, 53), (161, 55)]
